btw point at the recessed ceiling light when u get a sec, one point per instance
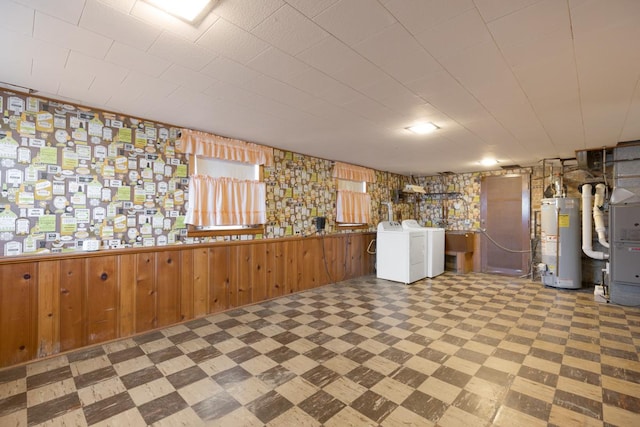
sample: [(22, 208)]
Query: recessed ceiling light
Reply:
[(191, 11), (488, 162), (422, 128)]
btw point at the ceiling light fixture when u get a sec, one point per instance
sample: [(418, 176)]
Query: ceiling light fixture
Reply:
[(488, 162), (422, 128), (191, 11)]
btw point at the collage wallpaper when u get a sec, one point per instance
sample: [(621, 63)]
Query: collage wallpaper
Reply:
[(73, 176)]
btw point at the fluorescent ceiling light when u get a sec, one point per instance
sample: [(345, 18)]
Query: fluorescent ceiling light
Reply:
[(423, 128), (488, 162), (191, 11)]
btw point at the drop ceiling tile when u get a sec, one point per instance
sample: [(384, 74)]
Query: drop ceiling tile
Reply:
[(83, 64), (393, 95), (138, 92), (278, 64), (67, 10), (395, 51), (232, 41), (596, 16), (330, 55), (360, 74), (290, 31), (353, 21), (247, 14), (188, 78), (551, 47), (48, 28), (279, 91), (371, 110), (494, 9), (135, 59), (178, 50), (460, 32), (119, 26), (123, 5), (311, 8), (420, 15), (324, 87), (17, 17), (531, 23), (229, 71), (176, 26)]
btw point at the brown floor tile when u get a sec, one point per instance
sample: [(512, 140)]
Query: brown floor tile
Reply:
[(321, 406)]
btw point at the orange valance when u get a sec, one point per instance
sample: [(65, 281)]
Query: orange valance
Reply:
[(218, 147), (353, 173), (353, 208)]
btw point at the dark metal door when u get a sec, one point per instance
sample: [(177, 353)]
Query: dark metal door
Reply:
[(504, 214)]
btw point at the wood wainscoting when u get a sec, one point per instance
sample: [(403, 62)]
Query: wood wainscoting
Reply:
[(55, 303)]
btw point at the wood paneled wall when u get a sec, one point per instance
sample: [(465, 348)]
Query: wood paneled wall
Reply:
[(55, 303)]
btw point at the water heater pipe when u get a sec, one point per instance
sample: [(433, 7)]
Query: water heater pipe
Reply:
[(598, 217), (587, 244)]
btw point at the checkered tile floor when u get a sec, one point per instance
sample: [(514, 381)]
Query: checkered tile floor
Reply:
[(458, 350)]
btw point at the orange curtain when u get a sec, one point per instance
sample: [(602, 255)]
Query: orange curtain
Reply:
[(225, 201), (209, 145), (353, 207), (353, 173)]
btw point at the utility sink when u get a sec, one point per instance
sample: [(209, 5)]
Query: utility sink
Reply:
[(459, 240)]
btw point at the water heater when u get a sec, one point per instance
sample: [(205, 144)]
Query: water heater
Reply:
[(560, 235)]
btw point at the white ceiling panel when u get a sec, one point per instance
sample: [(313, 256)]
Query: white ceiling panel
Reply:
[(494, 9), (460, 32), (48, 28), (421, 15), (186, 77), (278, 64), (126, 29), (398, 53), (67, 10), (247, 13), (229, 71), (353, 21), (17, 17), (290, 30), (181, 51), (341, 79), (135, 59), (323, 87), (311, 8), (232, 41)]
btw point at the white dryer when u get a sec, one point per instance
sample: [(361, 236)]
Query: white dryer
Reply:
[(434, 244), (400, 253)]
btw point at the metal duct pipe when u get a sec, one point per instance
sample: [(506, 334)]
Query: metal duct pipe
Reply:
[(587, 244), (598, 217)]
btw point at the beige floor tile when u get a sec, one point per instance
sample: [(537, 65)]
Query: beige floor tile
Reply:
[(229, 345), (156, 345), (582, 364), (479, 347), (132, 365), (11, 388), (193, 345), (566, 418), (502, 365), (345, 390), (266, 345), (515, 347), (422, 365), (402, 417), (580, 388), (533, 389), (185, 418), (296, 390), (102, 390), (294, 417), (621, 386), (619, 417), (131, 417), (248, 390), (73, 418), (486, 389), (341, 364), (46, 365), (258, 364), (542, 364), (199, 391), (14, 419), (150, 391), (83, 366), (455, 417), (217, 365), (507, 417), (462, 365), (349, 417), (300, 364), (50, 391), (176, 364), (441, 390), (337, 345), (392, 390)]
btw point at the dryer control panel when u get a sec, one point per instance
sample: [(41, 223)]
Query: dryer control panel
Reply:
[(389, 226)]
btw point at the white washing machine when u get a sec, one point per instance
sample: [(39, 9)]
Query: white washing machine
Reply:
[(400, 253), (434, 243)]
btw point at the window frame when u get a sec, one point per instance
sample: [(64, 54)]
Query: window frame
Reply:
[(223, 230)]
